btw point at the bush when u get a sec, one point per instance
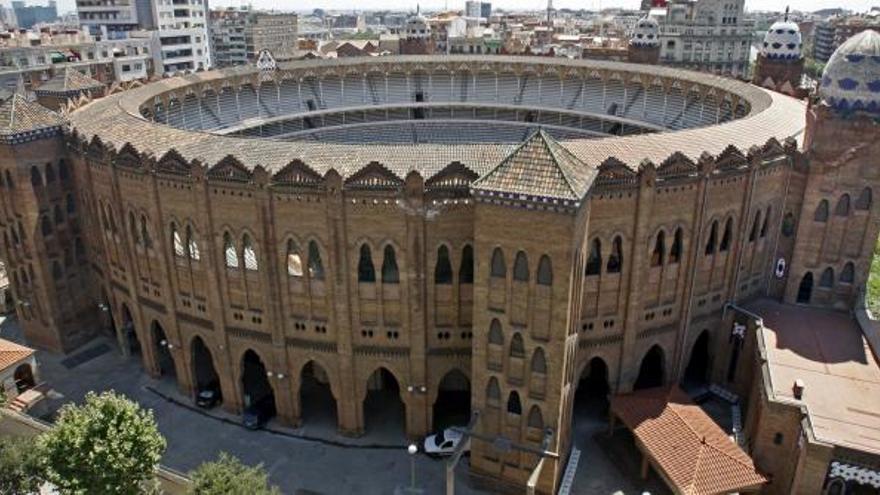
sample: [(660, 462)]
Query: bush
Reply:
[(228, 476)]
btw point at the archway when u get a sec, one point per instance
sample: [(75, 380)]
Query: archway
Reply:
[(453, 403), (384, 411), (257, 393), (805, 289), (696, 373), (162, 348), (651, 370), (24, 377), (317, 404), (204, 374), (590, 405), (128, 330)]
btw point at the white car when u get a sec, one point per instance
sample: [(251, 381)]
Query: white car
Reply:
[(443, 443)]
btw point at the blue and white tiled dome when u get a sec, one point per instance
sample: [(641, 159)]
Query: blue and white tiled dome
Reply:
[(851, 81), (783, 41), (646, 33)]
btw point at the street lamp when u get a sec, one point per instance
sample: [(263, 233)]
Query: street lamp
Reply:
[(412, 450)]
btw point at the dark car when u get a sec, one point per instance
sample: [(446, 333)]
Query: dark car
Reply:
[(259, 413), (208, 396)]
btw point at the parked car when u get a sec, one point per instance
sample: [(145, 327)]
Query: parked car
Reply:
[(259, 413), (442, 443), (208, 396)]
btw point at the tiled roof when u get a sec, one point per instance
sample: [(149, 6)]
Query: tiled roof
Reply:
[(539, 166), (18, 115), (696, 456), (70, 80), (12, 353)]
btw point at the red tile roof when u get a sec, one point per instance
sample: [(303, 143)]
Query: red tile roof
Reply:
[(694, 454), (11, 353)]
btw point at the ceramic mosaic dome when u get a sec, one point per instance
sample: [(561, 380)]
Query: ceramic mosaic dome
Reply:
[(783, 41), (851, 81), (646, 32)]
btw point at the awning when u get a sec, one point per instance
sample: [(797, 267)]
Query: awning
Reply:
[(692, 454)]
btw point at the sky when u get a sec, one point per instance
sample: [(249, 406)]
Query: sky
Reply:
[(307, 6)]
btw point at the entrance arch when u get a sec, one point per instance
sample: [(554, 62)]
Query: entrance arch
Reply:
[(697, 371), (161, 347), (255, 387), (203, 370), (805, 289), (24, 377), (651, 371), (129, 331), (452, 407), (317, 403), (384, 410)]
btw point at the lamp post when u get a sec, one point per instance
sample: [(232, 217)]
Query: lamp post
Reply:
[(412, 450)]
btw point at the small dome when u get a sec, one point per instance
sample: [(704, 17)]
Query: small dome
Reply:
[(783, 41), (646, 33), (851, 81)]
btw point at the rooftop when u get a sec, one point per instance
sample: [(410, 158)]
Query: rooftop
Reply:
[(12, 353)]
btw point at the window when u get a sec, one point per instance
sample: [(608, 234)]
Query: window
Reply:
[(657, 257), (316, 267), (229, 251), (594, 260), (45, 225), (862, 203), (192, 245), (63, 172), (517, 349), (145, 234), (677, 246), (615, 259), (50, 174), (821, 214), (766, 223), (521, 267), (539, 362), (443, 268), (728, 235), (777, 438), (788, 225), (495, 334), (9, 182), (294, 261), (713, 238), (514, 406), (59, 217), (499, 267), (250, 256), (493, 393), (366, 271), (847, 275), (390, 273), (178, 242), (827, 279), (56, 271), (36, 177), (71, 204), (545, 271), (753, 234), (842, 208), (536, 420)]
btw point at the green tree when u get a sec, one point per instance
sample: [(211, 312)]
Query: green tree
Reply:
[(228, 476), (20, 470), (108, 445)]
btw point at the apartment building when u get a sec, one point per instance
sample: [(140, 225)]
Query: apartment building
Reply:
[(238, 35), (830, 34)]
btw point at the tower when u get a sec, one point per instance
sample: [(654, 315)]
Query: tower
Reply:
[(834, 220), (416, 39), (644, 45), (780, 63)]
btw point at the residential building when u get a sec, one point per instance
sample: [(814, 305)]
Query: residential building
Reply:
[(112, 19), (830, 34), (239, 35)]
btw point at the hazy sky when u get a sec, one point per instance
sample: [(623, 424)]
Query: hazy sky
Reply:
[(856, 5)]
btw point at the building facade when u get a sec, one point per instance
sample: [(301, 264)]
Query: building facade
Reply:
[(238, 36)]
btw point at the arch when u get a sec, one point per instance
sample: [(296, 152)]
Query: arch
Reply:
[(788, 225), (847, 275), (821, 213), (366, 270), (521, 267), (317, 402), (453, 403), (207, 381), (753, 234), (713, 238), (229, 252), (697, 371), (594, 259), (615, 259), (45, 225), (177, 241), (36, 177), (658, 256), (50, 174), (443, 267), (805, 288), (766, 223), (517, 348), (651, 371), (514, 404), (536, 419), (842, 208), (496, 335), (192, 245), (248, 253), (384, 409), (24, 377), (826, 281), (862, 203), (727, 238), (294, 260), (677, 246), (390, 272), (545, 271), (498, 267), (129, 330), (493, 393), (316, 266), (162, 350), (466, 269), (258, 397)]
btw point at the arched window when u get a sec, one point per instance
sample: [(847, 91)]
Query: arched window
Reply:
[(229, 251), (56, 271), (466, 269), (766, 223), (712, 242), (659, 254), (521, 267), (539, 362), (366, 271), (594, 260), (728, 235), (112, 219), (862, 203), (788, 225), (517, 349), (192, 245), (132, 228), (294, 260), (493, 393), (495, 334), (36, 177), (21, 233), (79, 250), (9, 182), (842, 208), (545, 271), (179, 249), (821, 214), (15, 238), (615, 259), (50, 174), (514, 406), (63, 172), (443, 268), (45, 225), (145, 234), (71, 204), (753, 234), (847, 275), (390, 273), (59, 216), (677, 246), (250, 256), (536, 420), (316, 266), (104, 222), (827, 279), (499, 267)]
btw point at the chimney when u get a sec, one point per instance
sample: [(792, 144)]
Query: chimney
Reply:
[(798, 389)]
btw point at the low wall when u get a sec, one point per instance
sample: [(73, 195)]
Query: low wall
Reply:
[(867, 322), (15, 424)]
